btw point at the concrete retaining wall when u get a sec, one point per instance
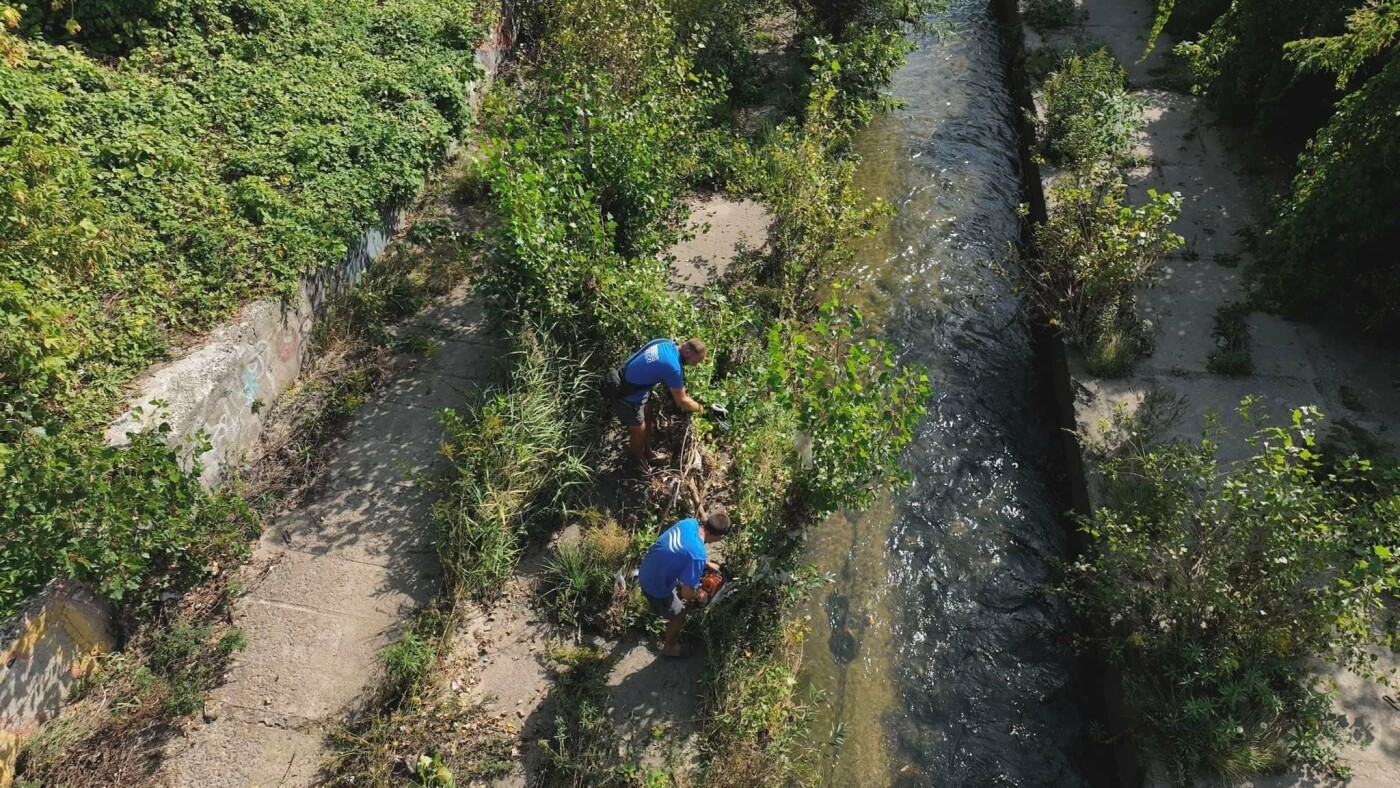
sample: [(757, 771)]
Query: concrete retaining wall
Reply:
[(43, 650), (214, 395)]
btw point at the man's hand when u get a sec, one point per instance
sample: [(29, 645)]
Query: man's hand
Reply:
[(685, 402), (712, 566)]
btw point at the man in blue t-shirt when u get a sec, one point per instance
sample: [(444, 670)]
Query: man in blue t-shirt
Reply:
[(672, 569), (658, 361)]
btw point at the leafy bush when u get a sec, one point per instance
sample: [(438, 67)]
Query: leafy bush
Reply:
[(856, 407), (1089, 116), (1240, 68), (1333, 238), (1043, 15), (1328, 71), (229, 148), (126, 519), (818, 207), (1214, 586), (1092, 255)]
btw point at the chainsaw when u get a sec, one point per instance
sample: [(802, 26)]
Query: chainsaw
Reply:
[(716, 585)]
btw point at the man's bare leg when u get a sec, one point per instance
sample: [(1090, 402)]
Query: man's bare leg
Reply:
[(672, 646), (638, 441)]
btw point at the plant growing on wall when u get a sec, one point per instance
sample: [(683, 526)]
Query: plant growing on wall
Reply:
[(1091, 256), (1216, 586), (1090, 118)]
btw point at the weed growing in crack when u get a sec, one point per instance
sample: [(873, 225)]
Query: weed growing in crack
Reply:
[(1232, 356), (579, 585)]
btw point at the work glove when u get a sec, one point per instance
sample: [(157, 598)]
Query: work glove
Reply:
[(719, 416)]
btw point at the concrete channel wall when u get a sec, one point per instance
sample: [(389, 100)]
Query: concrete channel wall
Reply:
[(215, 394), (1114, 762)]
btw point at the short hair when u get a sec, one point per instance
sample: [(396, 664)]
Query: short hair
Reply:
[(696, 346), (717, 522)]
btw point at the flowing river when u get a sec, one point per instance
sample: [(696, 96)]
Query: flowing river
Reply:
[(941, 661)]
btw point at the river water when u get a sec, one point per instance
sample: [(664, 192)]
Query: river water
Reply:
[(940, 660)]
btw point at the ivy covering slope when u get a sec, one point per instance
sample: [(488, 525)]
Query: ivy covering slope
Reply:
[(161, 163)]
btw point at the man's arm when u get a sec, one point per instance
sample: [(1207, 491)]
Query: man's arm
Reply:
[(692, 594), (684, 401)]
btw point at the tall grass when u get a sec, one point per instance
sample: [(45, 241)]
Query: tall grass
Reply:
[(515, 457)]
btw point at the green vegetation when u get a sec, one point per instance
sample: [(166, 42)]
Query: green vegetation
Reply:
[(123, 712), (586, 750), (578, 586), (1089, 116), (121, 717), (1092, 254), (409, 734), (1216, 586), (130, 520), (1094, 250), (1043, 15), (591, 148), (159, 165), (1232, 356), (1323, 77), (515, 461)]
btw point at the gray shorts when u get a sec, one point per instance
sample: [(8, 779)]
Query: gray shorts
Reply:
[(666, 607), (631, 413)]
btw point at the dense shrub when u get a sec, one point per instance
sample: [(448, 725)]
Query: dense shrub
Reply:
[(129, 520), (1214, 586), (1043, 15), (1240, 68), (818, 208), (1091, 256), (239, 146), (1089, 115), (1334, 238)]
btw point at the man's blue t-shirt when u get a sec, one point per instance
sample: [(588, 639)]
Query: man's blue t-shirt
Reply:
[(677, 556), (659, 361)]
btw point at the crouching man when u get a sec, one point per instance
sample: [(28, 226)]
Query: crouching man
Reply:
[(629, 386), (671, 572)]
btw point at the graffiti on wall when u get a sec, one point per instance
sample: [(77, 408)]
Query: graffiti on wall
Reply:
[(53, 641)]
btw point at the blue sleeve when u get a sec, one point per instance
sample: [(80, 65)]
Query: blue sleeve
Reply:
[(671, 375), (691, 573)]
